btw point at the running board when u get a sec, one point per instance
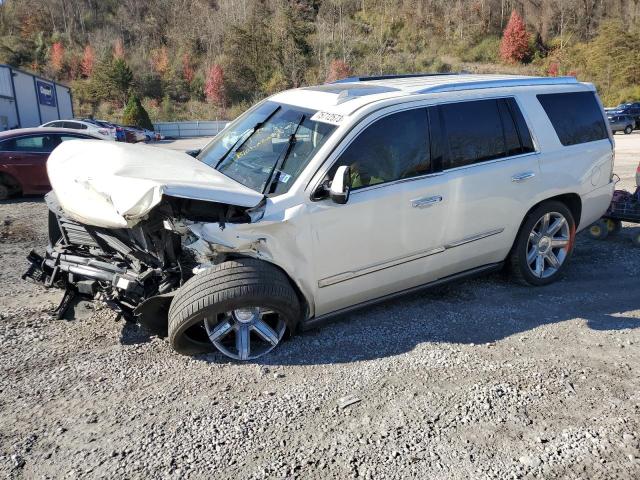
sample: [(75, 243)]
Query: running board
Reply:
[(474, 272)]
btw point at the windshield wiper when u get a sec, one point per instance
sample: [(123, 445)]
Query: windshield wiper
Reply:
[(253, 130), (272, 179)]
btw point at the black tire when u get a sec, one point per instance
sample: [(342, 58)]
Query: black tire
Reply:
[(5, 191), (517, 259), (239, 283), (628, 129), (598, 230)]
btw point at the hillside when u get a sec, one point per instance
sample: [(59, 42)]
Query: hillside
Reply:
[(206, 59)]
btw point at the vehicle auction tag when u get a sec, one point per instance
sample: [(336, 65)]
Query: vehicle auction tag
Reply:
[(326, 117)]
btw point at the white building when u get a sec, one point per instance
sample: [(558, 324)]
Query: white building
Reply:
[(27, 100)]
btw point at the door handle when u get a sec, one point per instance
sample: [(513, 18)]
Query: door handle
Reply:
[(426, 201), (521, 177)]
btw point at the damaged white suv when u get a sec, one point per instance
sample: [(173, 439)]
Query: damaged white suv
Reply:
[(327, 198)]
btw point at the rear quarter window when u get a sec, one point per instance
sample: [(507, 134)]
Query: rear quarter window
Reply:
[(576, 117)]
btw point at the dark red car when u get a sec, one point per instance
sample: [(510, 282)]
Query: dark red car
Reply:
[(23, 158)]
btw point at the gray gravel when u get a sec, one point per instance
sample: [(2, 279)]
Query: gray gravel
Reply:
[(481, 379)]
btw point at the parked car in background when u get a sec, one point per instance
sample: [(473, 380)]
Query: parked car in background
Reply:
[(632, 109), (116, 130), (621, 123), (323, 199), (23, 158), (141, 134), (88, 126)]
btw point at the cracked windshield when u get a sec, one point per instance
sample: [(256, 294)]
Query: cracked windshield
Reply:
[(268, 147)]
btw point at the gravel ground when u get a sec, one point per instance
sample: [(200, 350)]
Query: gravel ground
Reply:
[(481, 379)]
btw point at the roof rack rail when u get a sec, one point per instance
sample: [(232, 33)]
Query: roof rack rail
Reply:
[(389, 77), (507, 82)]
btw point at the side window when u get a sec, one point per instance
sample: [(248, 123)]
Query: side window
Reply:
[(392, 148), (65, 138), (74, 125), (36, 143), (575, 116), (473, 132)]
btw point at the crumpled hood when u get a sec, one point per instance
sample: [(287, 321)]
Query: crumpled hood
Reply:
[(115, 185)]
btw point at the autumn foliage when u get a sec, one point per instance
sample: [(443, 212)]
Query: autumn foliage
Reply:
[(57, 56), (187, 68), (160, 60), (514, 46), (88, 61), (214, 85), (118, 49), (338, 69)]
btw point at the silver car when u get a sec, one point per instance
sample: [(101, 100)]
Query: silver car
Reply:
[(621, 123), (323, 199)]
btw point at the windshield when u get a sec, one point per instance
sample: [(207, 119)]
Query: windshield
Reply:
[(267, 147)]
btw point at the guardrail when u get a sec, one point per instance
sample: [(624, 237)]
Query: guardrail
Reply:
[(204, 128)]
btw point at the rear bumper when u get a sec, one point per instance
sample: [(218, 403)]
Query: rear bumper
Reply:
[(595, 204)]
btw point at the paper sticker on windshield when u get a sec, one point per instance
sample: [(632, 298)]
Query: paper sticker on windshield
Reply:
[(284, 178), (326, 117)]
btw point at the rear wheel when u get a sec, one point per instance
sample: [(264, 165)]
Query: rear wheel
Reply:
[(628, 129), (544, 244), (241, 307)]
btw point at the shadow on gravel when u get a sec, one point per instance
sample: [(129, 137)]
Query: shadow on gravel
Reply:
[(600, 289), (473, 312)]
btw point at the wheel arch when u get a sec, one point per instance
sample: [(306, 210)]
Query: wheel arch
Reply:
[(11, 181), (305, 306), (571, 200)]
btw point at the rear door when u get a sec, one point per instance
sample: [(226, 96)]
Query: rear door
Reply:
[(492, 168)]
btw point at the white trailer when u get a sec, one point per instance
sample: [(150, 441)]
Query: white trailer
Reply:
[(27, 100)]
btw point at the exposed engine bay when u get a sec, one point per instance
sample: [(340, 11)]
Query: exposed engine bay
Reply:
[(133, 270)]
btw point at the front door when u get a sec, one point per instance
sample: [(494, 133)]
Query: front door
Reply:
[(384, 239)]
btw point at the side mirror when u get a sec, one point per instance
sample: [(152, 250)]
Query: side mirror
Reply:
[(341, 185), (193, 153)]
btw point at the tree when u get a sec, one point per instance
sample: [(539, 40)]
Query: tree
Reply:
[(514, 47), (187, 69), (88, 60), (121, 77), (118, 49), (160, 60), (135, 114), (214, 86), (338, 69), (57, 57)]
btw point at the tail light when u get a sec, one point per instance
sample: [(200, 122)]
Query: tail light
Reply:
[(102, 131)]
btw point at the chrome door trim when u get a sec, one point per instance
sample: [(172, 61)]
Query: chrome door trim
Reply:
[(314, 321), (473, 238), (344, 276), (341, 277)]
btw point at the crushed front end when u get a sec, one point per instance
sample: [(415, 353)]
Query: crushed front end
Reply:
[(134, 270)]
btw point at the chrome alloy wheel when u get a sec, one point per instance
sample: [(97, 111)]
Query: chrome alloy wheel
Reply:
[(245, 333), (548, 244)]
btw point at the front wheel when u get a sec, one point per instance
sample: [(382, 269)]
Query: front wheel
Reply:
[(543, 245), (241, 307), (628, 129)]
